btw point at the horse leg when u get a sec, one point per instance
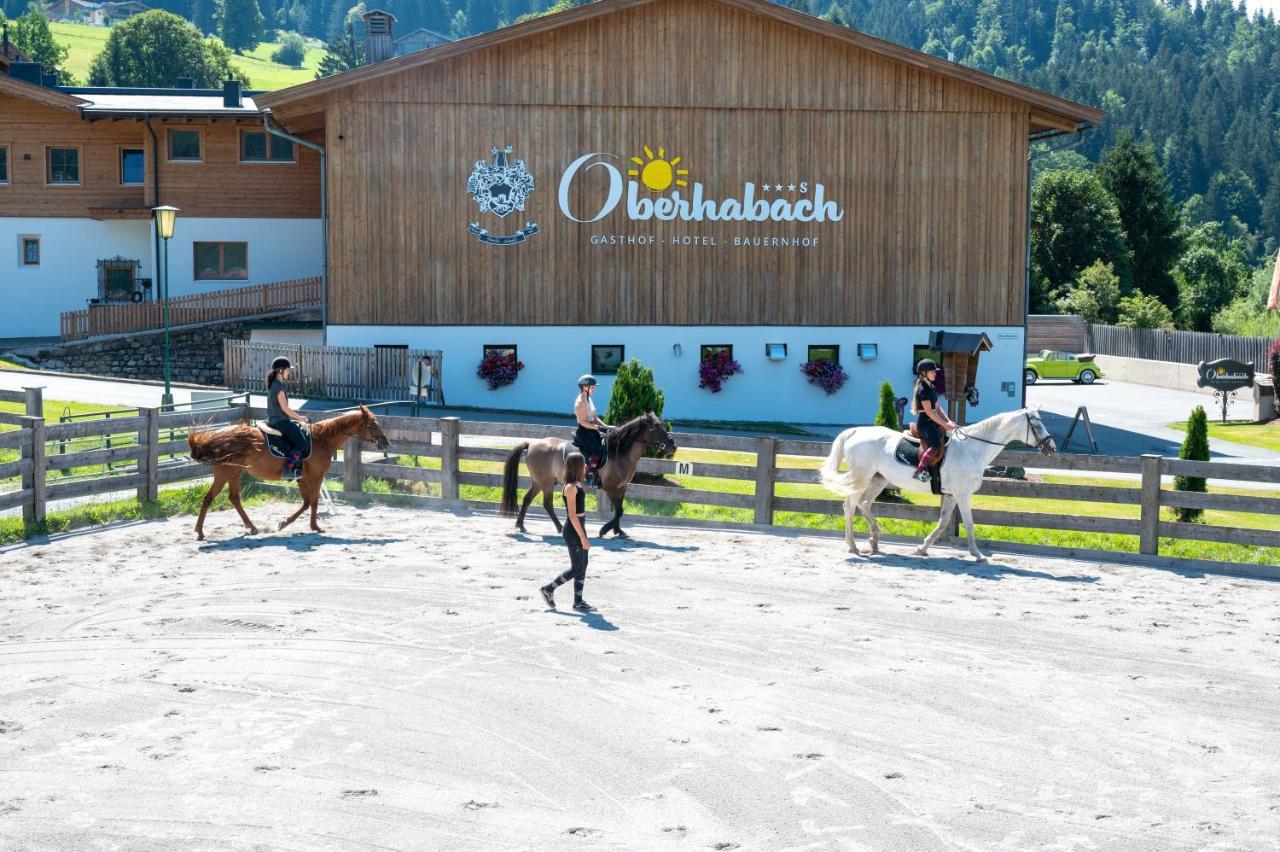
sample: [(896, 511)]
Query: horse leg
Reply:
[(865, 506), (524, 507), (306, 504), (966, 515), (214, 489), (849, 539), (948, 506), (616, 523), (549, 503), (312, 496), (233, 491)]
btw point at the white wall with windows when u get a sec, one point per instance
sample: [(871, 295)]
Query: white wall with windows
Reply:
[(241, 252), (766, 390), (66, 276)]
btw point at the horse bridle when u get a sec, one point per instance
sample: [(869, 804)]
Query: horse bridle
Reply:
[(1039, 445)]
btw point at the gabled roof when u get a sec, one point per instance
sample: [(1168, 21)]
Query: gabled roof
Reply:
[(1047, 109), (39, 94)]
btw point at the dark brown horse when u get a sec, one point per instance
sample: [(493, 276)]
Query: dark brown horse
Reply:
[(235, 450), (626, 444)]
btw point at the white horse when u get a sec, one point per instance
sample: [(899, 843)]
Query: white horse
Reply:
[(868, 451)]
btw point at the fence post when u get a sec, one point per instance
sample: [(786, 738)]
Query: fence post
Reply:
[(34, 511), (449, 428), (766, 458), (149, 437), (34, 401), (352, 466), (1149, 537)]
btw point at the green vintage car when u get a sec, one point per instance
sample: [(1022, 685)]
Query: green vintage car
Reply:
[(1061, 365)]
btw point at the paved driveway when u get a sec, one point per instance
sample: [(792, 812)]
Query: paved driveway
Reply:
[(1129, 420)]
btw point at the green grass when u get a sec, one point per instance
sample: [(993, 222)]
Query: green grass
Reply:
[(10, 365), (170, 502), (1264, 435), (84, 42), (54, 409)]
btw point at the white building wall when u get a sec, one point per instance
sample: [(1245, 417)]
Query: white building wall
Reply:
[(70, 248), (279, 250), (554, 357), (67, 277)]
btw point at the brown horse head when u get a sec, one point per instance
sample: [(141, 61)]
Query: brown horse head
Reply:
[(647, 429), (370, 430)]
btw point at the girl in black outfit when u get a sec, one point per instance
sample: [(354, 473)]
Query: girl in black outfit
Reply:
[(283, 418), (575, 535), (931, 420)]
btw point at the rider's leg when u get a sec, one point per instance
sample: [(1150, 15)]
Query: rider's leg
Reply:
[(292, 431)]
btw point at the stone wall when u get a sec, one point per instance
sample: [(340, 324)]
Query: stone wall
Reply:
[(195, 353)]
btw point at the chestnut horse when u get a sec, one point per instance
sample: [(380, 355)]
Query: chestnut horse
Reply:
[(625, 444), (235, 450)]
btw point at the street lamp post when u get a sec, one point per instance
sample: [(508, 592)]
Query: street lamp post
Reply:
[(165, 216)]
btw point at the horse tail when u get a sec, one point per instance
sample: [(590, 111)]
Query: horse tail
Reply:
[(510, 478), (222, 446), (829, 473)]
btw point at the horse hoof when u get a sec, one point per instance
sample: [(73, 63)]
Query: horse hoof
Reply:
[(252, 531), (621, 534), (199, 536), (920, 551), (317, 529)]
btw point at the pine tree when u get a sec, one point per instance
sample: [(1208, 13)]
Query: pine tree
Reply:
[(1152, 222), (887, 416), (240, 23), (634, 394), (341, 54), (1195, 447)]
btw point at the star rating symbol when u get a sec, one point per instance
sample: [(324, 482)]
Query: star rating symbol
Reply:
[(791, 187)]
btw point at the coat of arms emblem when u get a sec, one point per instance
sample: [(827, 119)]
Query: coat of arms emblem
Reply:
[(501, 187)]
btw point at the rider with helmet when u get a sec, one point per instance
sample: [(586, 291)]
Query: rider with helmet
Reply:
[(283, 418), (931, 421), (591, 428)]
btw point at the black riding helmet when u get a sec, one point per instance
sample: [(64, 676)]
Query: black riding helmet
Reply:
[(586, 380), (925, 365), (282, 363)]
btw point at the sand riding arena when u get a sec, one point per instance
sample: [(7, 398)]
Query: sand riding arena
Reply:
[(397, 684)]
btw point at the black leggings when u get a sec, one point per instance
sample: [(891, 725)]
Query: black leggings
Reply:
[(292, 430), (577, 563)]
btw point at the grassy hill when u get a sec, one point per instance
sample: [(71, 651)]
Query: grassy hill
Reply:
[(83, 42)]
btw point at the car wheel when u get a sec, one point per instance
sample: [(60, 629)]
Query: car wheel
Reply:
[(1029, 376), (1087, 376)]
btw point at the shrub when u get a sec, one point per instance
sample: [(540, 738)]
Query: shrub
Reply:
[(634, 394), (1195, 447), (716, 369), (826, 374), (887, 416), (1142, 310), (291, 52), (1095, 294), (499, 369)]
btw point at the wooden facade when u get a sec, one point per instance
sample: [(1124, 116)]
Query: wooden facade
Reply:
[(928, 164), (33, 119)]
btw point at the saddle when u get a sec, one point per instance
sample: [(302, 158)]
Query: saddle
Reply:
[(278, 445), (570, 447), (908, 453)]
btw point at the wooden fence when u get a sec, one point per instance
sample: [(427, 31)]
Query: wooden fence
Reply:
[(1051, 331), (189, 310), (333, 372), (1181, 347), (455, 442)]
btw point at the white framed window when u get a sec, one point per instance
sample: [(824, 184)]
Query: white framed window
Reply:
[(28, 251), (132, 167), (4, 165)]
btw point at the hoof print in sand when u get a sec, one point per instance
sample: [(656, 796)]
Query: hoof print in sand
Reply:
[(358, 794)]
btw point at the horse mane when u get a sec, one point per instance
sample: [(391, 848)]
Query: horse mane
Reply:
[(985, 428), (324, 429), (624, 437)]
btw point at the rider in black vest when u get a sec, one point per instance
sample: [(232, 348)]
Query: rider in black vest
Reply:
[(283, 418), (931, 421), (589, 436)]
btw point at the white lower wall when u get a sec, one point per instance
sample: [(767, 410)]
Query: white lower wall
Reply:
[(554, 357), (67, 277), (279, 250)]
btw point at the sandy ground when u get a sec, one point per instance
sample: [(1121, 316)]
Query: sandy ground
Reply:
[(397, 684)]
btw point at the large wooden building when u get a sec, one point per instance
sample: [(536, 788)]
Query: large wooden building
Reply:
[(662, 178)]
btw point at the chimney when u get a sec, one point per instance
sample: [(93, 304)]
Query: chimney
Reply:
[(378, 46), (49, 81), (186, 83), (231, 94), (27, 72)]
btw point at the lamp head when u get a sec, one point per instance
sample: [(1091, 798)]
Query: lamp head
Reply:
[(165, 216)]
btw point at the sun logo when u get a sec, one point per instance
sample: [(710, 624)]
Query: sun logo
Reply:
[(658, 173)]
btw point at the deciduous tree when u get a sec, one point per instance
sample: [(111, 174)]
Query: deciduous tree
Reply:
[(154, 49)]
